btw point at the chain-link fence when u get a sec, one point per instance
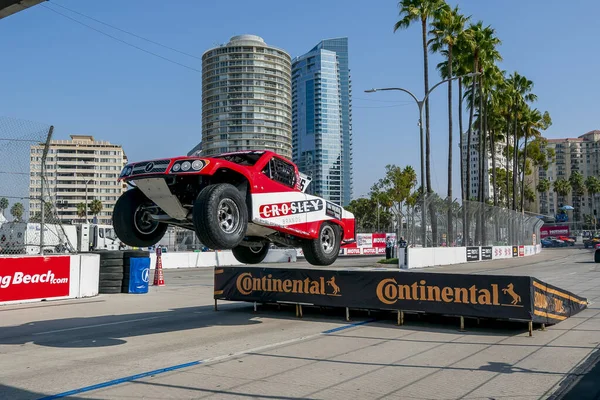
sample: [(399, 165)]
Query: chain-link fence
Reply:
[(25, 222), (450, 223)]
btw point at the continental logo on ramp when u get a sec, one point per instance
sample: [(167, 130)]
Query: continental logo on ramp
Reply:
[(389, 292), (246, 284)]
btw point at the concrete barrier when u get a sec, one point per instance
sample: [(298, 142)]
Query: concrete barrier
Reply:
[(419, 257), (26, 279), (211, 259)]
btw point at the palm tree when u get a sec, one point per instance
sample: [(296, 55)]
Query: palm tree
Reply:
[(533, 122), (3, 204), (447, 30), (592, 185), (578, 185), (423, 11), (561, 187), (95, 207), (543, 186), (521, 88), (81, 210), (17, 211)]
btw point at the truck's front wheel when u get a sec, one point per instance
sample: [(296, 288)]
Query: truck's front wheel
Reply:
[(220, 216), (132, 223)]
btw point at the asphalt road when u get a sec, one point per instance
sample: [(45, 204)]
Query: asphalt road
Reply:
[(180, 348)]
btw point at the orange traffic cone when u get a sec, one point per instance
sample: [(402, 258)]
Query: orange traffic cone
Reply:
[(159, 278)]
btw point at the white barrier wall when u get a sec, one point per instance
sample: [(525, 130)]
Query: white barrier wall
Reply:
[(433, 256), (216, 258), (429, 257), (26, 279)]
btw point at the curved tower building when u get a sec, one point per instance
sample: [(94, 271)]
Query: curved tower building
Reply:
[(246, 98)]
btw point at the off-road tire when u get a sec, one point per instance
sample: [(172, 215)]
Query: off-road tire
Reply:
[(207, 216), (597, 256), (110, 286), (125, 217), (109, 254), (250, 255), (111, 263), (111, 276), (316, 253), (112, 269)]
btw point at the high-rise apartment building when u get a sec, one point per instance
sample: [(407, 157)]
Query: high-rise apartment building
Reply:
[(77, 169), (322, 119), (580, 154), (246, 97)]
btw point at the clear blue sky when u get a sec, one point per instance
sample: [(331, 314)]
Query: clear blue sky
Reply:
[(58, 72)]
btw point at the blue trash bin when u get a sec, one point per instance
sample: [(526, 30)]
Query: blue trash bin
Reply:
[(139, 275)]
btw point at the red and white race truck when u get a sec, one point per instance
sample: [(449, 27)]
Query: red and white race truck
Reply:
[(242, 201)]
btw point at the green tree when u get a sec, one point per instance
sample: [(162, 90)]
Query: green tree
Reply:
[(3, 204), (81, 210), (533, 123), (96, 207), (561, 187), (521, 92), (395, 188), (422, 11), (543, 186), (367, 214), (17, 211), (447, 30), (49, 216), (577, 183)]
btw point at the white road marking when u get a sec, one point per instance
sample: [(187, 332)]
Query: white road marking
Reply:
[(95, 326)]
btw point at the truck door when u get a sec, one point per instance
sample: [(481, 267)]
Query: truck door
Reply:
[(279, 202)]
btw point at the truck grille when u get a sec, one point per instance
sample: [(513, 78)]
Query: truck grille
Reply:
[(157, 167)]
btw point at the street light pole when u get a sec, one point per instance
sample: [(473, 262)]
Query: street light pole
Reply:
[(420, 104)]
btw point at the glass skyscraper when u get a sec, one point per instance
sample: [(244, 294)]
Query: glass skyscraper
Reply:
[(322, 119)]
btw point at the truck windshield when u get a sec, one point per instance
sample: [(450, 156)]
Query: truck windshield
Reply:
[(109, 234)]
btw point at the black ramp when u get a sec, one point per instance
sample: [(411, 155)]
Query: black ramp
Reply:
[(486, 296)]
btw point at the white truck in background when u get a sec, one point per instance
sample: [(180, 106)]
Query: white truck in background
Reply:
[(24, 238)]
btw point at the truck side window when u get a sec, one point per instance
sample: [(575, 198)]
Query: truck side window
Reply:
[(101, 232)]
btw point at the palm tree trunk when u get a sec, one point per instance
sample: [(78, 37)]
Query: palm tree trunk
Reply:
[(462, 157), (508, 157), (449, 238), (427, 136), (469, 130), (523, 180), (515, 161)]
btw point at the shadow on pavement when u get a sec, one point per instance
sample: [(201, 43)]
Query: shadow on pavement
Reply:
[(14, 393), (112, 330)]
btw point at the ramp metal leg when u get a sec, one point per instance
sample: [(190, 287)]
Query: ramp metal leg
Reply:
[(254, 306), (462, 324), (300, 309), (400, 317), (297, 311), (530, 328), (543, 327), (216, 305), (347, 314)]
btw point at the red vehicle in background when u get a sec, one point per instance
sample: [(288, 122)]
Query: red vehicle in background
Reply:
[(242, 201), (568, 240)]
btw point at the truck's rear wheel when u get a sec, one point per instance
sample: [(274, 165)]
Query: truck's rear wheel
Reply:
[(597, 256), (220, 216), (251, 255), (325, 249), (132, 222)]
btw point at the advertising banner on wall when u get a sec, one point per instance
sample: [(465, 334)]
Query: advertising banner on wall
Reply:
[(25, 278), (490, 296), (499, 252), (472, 253), (561, 230)]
